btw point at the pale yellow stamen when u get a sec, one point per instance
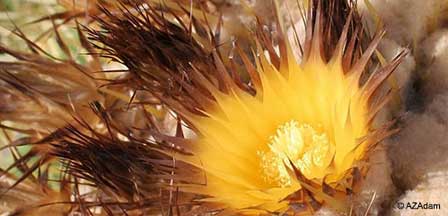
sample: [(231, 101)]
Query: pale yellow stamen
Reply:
[(304, 145)]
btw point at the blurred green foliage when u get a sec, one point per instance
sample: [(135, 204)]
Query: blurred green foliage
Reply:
[(6, 5)]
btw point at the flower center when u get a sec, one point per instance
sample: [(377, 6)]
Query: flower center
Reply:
[(299, 143)]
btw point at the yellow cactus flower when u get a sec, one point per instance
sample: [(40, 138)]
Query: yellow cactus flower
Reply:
[(307, 127)]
